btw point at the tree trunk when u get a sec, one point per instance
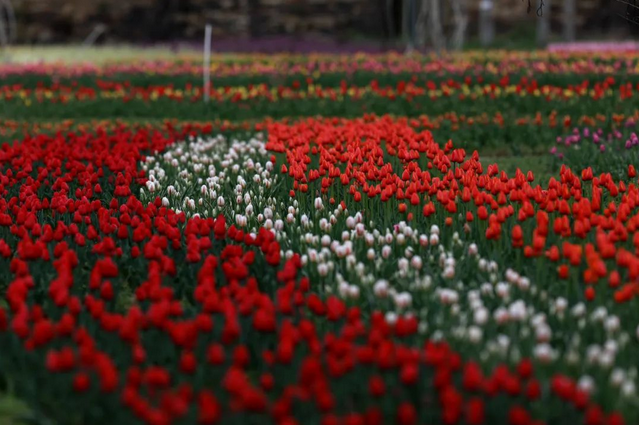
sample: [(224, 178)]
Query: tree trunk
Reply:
[(390, 18), (4, 27), (486, 23), (461, 21), (409, 10), (421, 24), (405, 21), (435, 26), (543, 25), (570, 14)]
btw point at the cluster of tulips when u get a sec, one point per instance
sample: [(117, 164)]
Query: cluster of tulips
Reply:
[(241, 263), (576, 234), (513, 98), (308, 88), (326, 271), (467, 63), (612, 150), (475, 131)]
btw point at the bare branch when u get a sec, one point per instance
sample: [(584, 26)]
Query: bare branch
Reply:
[(627, 19), (632, 11), (540, 9), (629, 4)]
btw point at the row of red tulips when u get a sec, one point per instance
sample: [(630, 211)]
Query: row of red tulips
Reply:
[(309, 89)]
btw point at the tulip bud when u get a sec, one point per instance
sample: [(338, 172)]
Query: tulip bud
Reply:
[(322, 269), (380, 289)]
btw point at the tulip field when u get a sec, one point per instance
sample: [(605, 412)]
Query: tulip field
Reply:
[(322, 242)]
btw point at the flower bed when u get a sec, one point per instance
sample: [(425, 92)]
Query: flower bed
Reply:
[(363, 270), (613, 151)]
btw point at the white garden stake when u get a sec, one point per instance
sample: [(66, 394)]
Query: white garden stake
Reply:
[(207, 62)]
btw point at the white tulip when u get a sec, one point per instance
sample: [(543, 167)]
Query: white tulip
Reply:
[(353, 291), (628, 389), (391, 318), (586, 384), (561, 304), (475, 334), (543, 333), (617, 377), (322, 269), (380, 289), (544, 353), (612, 324), (481, 316)]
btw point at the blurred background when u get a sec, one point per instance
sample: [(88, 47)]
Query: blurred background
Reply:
[(302, 25)]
